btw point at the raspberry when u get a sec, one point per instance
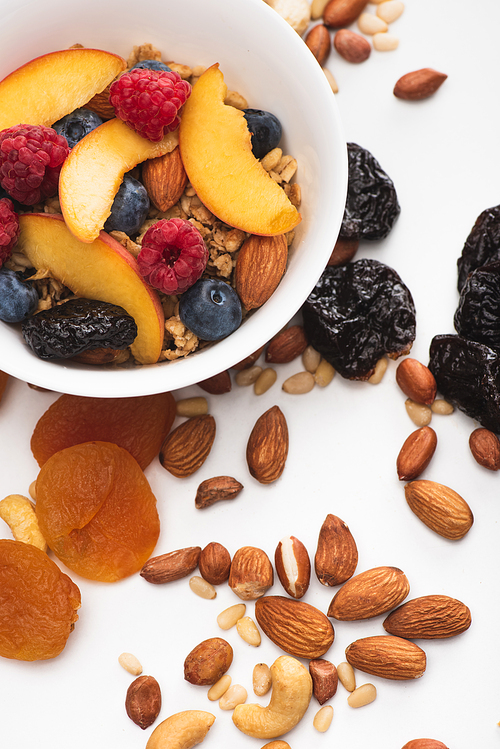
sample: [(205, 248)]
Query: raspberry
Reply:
[(31, 157), (149, 100), (9, 229), (173, 255)]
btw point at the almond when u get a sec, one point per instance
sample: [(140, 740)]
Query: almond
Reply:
[(325, 679), (319, 42), (214, 489), (217, 384), (339, 13), (336, 556), (260, 265), (267, 447), (293, 566), (171, 566), (187, 447), (143, 701), (440, 508), (248, 361), (208, 661), (424, 744), (351, 46), (430, 618), (369, 594), (251, 573), (165, 179), (295, 626), (101, 105), (214, 563), (419, 84), (416, 453), (287, 345), (387, 656), (343, 251), (416, 381), (485, 448)]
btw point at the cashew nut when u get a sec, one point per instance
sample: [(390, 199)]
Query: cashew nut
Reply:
[(19, 514), (292, 690), (296, 12), (181, 730)]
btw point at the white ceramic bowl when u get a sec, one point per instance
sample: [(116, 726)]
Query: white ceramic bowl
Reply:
[(262, 57)]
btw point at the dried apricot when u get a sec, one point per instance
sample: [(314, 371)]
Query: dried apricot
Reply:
[(137, 424), (38, 603), (96, 510)]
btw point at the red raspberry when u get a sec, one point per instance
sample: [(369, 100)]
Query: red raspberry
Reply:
[(9, 229), (31, 157), (173, 255), (148, 100)]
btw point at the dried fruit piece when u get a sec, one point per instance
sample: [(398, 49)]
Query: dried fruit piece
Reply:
[(208, 661), (387, 656), (295, 626), (143, 701), (478, 313), (429, 617), (482, 246), (336, 556), (440, 508), (186, 448), (214, 489), (267, 447), (369, 594)]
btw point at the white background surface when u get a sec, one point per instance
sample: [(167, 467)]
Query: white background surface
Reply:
[(443, 155)]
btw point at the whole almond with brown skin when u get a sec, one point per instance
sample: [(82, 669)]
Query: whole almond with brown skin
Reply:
[(419, 84), (259, 268), (287, 345), (101, 105), (165, 179), (293, 566), (251, 573), (424, 744), (217, 384), (387, 656), (143, 701), (369, 594), (187, 447), (171, 566), (248, 361), (214, 489), (214, 563), (432, 617), (208, 661), (319, 42), (485, 448), (440, 508), (295, 626), (325, 679), (339, 13), (416, 453), (416, 381), (336, 556), (351, 46), (344, 251), (267, 447)]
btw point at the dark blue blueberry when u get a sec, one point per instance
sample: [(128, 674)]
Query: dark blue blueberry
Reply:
[(130, 207), (76, 125), (211, 309), (265, 129), (151, 65), (18, 298)]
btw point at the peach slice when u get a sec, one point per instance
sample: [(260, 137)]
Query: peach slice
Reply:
[(53, 85), (93, 172), (217, 154), (102, 270)]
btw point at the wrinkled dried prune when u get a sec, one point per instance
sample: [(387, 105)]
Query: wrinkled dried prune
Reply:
[(372, 204), (482, 246), (357, 313), (78, 325), (468, 375), (478, 312)]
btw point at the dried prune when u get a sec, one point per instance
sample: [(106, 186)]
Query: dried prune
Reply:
[(468, 375), (478, 313), (76, 326), (356, 314), (372, 205), (482, 246)]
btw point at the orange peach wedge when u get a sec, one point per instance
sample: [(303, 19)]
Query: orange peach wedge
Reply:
[(216, 150), (53, 85), (93, 172), (101, 270)]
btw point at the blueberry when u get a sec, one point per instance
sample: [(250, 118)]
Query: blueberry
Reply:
[(265, 129), (18, 298), (211, 309), (76, 125), (130, 207), (151, 65)]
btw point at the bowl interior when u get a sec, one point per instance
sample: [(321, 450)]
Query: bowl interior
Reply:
[(265, 60)]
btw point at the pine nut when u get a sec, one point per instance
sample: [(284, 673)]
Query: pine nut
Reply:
[(324, 373), (390, 10), (323, 718), (261, 679), (230, 616), (247, 376), (369, 23), (265, 380), (247, 630), (190, 407), (420, 414), (439, 406), (32, 490), (345, 672), (219, 688), (311, 359), (363, 695), (385, 42), (235, 695), (130, 663), (379, 371), (299, 383), (202, 587), (317, 8), (331, 80)]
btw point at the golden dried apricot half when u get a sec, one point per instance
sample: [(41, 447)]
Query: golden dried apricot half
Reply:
[(96, 510), (38, 603)]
